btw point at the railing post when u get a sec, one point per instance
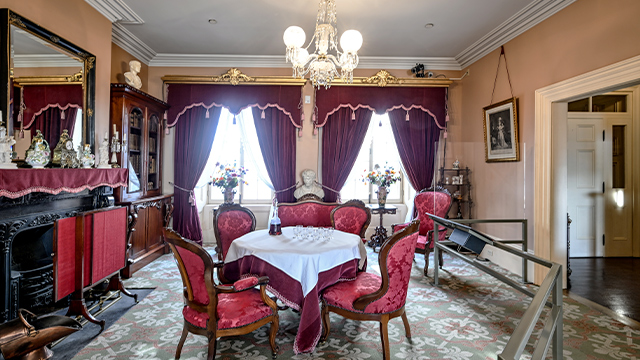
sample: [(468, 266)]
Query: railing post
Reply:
[(525, 248), (435, 253), (557, 305)]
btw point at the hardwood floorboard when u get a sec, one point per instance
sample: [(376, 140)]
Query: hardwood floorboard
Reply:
[(610, 282)]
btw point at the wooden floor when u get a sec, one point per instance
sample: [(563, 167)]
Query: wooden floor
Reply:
[(610, 282)]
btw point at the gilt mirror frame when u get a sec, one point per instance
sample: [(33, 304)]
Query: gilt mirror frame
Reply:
[(88, 60)]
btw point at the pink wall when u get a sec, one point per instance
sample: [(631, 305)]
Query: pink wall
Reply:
[(78, 22), (587, 35)]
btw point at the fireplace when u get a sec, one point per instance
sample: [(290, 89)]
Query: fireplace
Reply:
[(32, 262), (31, 201)]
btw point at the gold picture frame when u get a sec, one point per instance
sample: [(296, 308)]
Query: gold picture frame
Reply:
[(501, 131)]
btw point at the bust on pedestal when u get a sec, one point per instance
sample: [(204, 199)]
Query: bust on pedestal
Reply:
[(309, 188)]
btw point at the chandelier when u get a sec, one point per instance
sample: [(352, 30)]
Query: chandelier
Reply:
[(322, 66)]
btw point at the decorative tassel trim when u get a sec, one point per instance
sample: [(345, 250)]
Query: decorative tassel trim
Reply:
[(315, 131), (262, 116), (207, 114), (445, 134), (313, 117), (406, 118), (353, 115), (446, 118), (299, 132), (166, 130), (62, 115), (302, 117), (234, 119)]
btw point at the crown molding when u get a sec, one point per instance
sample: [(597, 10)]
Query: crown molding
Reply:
[(116, 11), (47, 60), (131, 44), (278, 61), (530, 16), (533, 14)]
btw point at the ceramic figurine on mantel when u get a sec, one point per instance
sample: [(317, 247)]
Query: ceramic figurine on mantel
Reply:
[(116, 147), (6, 149), (38, 154), (87, 159), (456, 165), (104, 153)]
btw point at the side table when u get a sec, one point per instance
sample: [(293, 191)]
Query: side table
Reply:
[(379, 237)]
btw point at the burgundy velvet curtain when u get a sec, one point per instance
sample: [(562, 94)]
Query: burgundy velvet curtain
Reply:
[(416, 140), (51, 123), (342, 139), (277, 140), (194, 137)]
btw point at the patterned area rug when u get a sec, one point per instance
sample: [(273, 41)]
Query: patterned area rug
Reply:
[(470, 316)]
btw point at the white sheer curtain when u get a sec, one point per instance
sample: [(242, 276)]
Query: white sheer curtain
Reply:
[(252, 146)]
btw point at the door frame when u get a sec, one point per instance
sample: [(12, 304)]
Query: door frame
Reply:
[(550, 152)]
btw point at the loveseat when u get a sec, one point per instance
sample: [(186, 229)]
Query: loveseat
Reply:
[(306, 213)]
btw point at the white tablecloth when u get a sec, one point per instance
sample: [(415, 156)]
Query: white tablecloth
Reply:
[(302, 260)]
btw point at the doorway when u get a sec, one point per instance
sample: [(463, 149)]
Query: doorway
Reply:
[(599, 192)]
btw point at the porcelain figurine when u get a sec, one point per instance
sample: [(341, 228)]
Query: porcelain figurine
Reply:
[(456, 165), (38, 154), (104, 154), (6, 149), (87, 159)]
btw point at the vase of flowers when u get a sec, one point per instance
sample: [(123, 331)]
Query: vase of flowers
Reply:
[(383, 178), (227, 178)]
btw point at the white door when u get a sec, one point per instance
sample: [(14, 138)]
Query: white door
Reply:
[(599, 185), (585, 168)]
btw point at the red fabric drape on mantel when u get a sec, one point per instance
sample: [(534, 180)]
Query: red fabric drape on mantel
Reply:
[(193, 140), (51, 123), (38, 97), (278, 146), (416, 140), (382, 99), (342, 139), (234, 98)]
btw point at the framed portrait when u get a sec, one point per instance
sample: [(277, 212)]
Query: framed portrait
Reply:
[(501, 131)]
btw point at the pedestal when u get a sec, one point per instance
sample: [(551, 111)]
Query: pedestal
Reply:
[(380, 236)]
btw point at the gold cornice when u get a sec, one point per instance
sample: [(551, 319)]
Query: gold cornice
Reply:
[(381, 79), (75, 79)]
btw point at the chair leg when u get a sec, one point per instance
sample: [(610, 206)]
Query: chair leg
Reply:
[(275, 323), (384, 333), (407, 329), (427, 251), (211, 351), (440, 259), (326, 323), (185, 332)]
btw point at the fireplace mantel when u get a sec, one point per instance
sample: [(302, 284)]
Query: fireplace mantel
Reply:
[(15, 183)]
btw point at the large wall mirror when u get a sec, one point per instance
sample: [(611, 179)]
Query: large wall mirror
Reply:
[(50, 83)]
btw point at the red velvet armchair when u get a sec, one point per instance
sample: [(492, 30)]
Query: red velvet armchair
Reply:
[(230, 221), (436, 201), (219, 310), (352, 217), (374, 297)]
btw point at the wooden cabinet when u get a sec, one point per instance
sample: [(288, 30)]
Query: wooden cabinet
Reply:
[(137, 117), (147, 219)]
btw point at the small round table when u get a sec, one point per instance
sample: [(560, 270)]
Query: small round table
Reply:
[(379, 237)]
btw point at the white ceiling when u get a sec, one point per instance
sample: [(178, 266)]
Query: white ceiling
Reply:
[(249, 32)]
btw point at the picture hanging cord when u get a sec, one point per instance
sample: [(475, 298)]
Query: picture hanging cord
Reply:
[(497, 70)]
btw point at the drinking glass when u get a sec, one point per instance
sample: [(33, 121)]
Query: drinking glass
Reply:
[(297, 231)]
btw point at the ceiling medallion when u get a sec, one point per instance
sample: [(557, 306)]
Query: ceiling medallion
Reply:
[(321, 65)]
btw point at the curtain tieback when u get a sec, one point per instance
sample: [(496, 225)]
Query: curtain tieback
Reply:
[(330, 189), (192, 195)]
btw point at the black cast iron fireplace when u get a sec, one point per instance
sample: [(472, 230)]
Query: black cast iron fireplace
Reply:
[(26, 241)]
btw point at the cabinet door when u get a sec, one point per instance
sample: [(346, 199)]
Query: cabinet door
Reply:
[(154, 155), (154, 228), (139, 236), (135, 149)]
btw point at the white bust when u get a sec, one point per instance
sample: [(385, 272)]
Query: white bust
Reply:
[(309, 186), (131, 76)]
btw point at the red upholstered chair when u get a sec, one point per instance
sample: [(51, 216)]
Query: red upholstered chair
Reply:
[(374, 297), (230, 221), (352, 217), (219, 310), (436, 201)]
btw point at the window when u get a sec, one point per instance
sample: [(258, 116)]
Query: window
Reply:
[(379, 147), (237, 144)]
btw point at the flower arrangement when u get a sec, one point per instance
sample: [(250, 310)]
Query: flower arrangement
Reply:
[(228, 177), (381, 177)]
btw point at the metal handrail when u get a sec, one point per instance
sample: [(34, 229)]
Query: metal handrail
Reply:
[(551, 285)]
